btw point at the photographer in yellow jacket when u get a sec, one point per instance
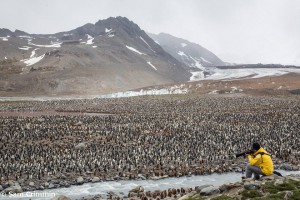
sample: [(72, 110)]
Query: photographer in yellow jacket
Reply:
[(260, 163)]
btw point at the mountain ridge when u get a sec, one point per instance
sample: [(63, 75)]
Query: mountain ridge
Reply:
[(111, 55), (192, 54)]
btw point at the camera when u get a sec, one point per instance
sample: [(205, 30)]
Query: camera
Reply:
[(244, 153)]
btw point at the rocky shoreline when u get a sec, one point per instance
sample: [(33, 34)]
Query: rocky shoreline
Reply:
[(14, 187), (269, 187), (52, 182)]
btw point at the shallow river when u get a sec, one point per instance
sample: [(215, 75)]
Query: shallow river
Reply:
[(122, 187)]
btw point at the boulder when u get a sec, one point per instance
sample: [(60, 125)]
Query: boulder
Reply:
[(31, 184), (229, 186), (8, 190), (51, 186), (1, 188), (252, 185), (67, 184), (13, 189), (95, 179), (210, 190), (247, 179), (278, 182), (17, 188), (79, 180), (199, 188), (140, 176), (271, 177), (287, 166), (61, 197), (46, 184)]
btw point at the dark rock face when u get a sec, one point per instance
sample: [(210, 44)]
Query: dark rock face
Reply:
[(193, 55), (109, 56), (4, 32)]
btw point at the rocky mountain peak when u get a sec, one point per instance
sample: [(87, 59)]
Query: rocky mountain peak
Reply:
[(5, 32), (113, 54), (20, 33), (193, 55)]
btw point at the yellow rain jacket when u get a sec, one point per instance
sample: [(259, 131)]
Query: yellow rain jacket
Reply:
[(262, 159)]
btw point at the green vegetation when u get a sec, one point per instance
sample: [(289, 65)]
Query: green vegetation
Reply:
[(223, 197), (196, 197), (290, 185), (289, 189), (250, 194), (296, 195), (278, 196)]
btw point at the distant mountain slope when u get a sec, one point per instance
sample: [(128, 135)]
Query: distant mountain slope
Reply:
[(192, 54), (109, 56)]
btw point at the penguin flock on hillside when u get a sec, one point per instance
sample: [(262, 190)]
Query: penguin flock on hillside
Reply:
[(146, 137)]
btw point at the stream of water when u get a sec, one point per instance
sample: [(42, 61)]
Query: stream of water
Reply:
[(122, 188)]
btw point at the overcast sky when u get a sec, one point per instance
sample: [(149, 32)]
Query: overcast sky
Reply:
[(241, 31)]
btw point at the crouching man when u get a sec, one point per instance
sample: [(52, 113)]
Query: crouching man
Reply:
[(260, 163)]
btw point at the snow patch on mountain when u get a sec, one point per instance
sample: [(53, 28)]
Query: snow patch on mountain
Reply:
[(183, 44), (33, 60), (4, 38), (146, 43), (107, 30), (149, 63), (90, 39), (181, 53), (53, 45), (33, 52), (24, 36), (197, 64), (205, 60), (25, 48), (134, 50)]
